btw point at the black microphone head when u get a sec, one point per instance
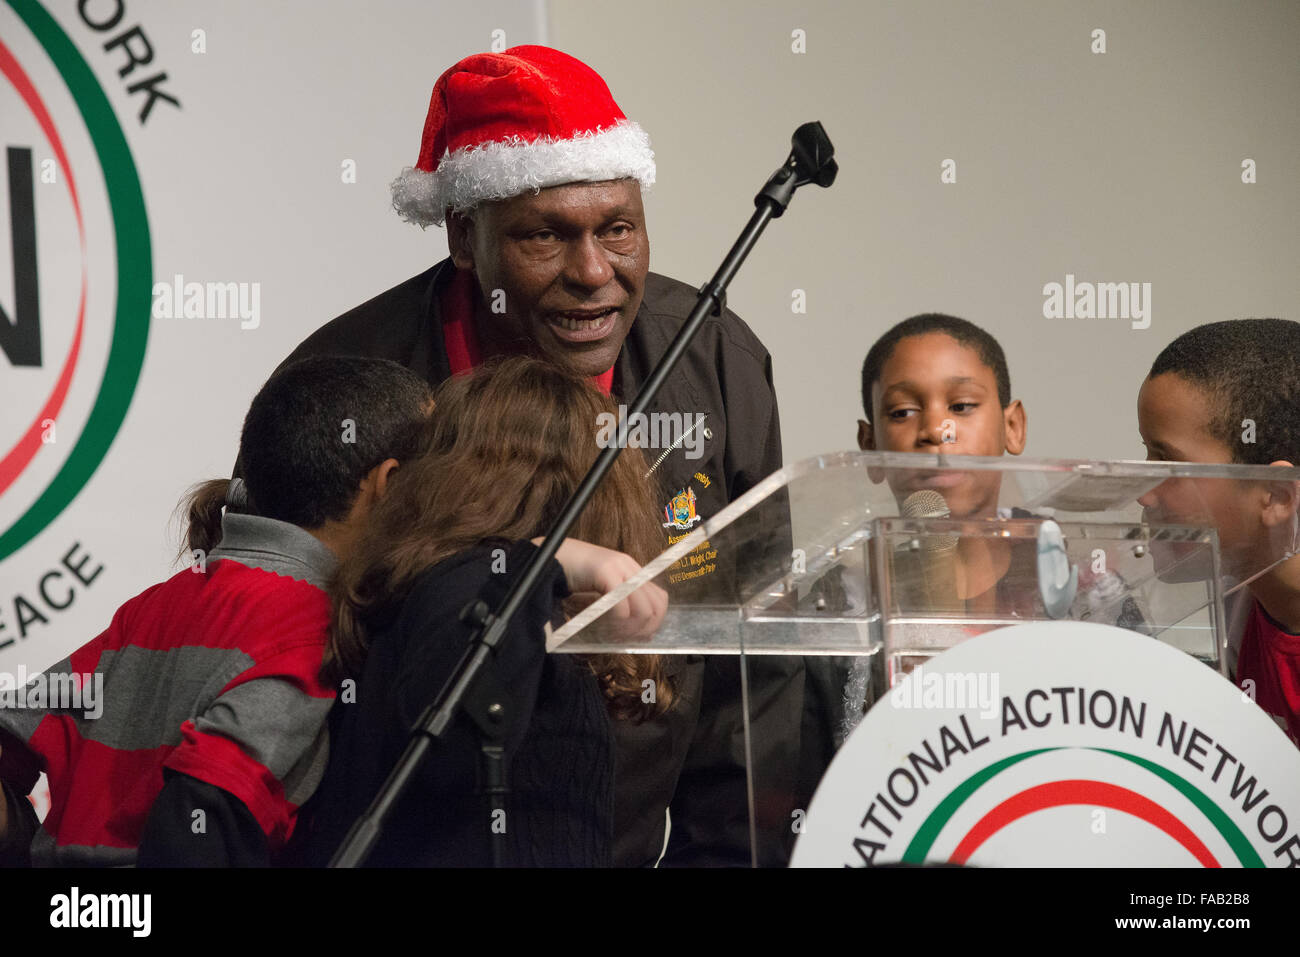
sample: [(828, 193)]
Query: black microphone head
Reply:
[(812, 154)]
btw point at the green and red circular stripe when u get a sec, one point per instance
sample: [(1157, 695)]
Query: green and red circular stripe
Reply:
[(134, 280), (1078, 792)]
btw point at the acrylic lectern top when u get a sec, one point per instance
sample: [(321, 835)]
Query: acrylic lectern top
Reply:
[(843, 553)]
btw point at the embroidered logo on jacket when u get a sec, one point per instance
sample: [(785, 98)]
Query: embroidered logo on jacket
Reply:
[(680, 512)]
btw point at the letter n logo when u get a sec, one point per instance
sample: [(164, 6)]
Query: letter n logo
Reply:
[(20, 336)]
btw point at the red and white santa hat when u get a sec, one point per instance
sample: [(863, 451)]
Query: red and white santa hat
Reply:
[(503, 124)]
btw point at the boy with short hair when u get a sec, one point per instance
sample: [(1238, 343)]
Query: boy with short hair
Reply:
[(1229, 392), (933, 384), (939, 384), (212, 732)]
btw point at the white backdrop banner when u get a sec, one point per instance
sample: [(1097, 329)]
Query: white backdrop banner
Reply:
[(189, 190)]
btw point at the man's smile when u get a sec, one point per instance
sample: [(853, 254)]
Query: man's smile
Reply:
[(583, 325)]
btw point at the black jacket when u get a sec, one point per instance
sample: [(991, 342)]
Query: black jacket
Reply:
[(693, 757), (559, 746)]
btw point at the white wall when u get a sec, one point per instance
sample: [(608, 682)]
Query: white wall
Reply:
[(1123, 166)]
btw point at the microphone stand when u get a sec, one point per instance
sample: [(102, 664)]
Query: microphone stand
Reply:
[(473, 688)]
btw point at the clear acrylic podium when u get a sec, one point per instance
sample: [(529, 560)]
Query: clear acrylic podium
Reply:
[(866, 564)]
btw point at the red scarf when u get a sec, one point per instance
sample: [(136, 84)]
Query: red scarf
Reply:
[(460, 338)]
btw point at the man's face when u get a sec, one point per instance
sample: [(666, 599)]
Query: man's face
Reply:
[(568, 265), (931, 388), (1174, 417)]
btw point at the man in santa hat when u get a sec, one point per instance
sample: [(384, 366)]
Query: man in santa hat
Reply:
[(537, 175)]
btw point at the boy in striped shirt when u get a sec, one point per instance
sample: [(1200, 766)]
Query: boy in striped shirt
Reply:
[(213, 726)]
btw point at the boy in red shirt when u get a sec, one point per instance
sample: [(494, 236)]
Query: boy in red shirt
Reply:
[(193, 728), (1229, 392)]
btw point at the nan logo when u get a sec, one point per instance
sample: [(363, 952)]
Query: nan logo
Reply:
[(79, 321), (102, 910)]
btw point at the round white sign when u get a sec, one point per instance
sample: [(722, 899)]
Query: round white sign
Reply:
[(1055, 744)]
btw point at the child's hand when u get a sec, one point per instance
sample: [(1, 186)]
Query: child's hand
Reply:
[(592, 571)]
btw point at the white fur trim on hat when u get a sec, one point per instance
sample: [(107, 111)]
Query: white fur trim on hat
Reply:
[(500, 170)]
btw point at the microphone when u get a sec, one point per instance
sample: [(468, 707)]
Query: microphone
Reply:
[(933, 570)]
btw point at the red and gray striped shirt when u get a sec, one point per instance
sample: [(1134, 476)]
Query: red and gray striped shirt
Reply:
[(213, 674)]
